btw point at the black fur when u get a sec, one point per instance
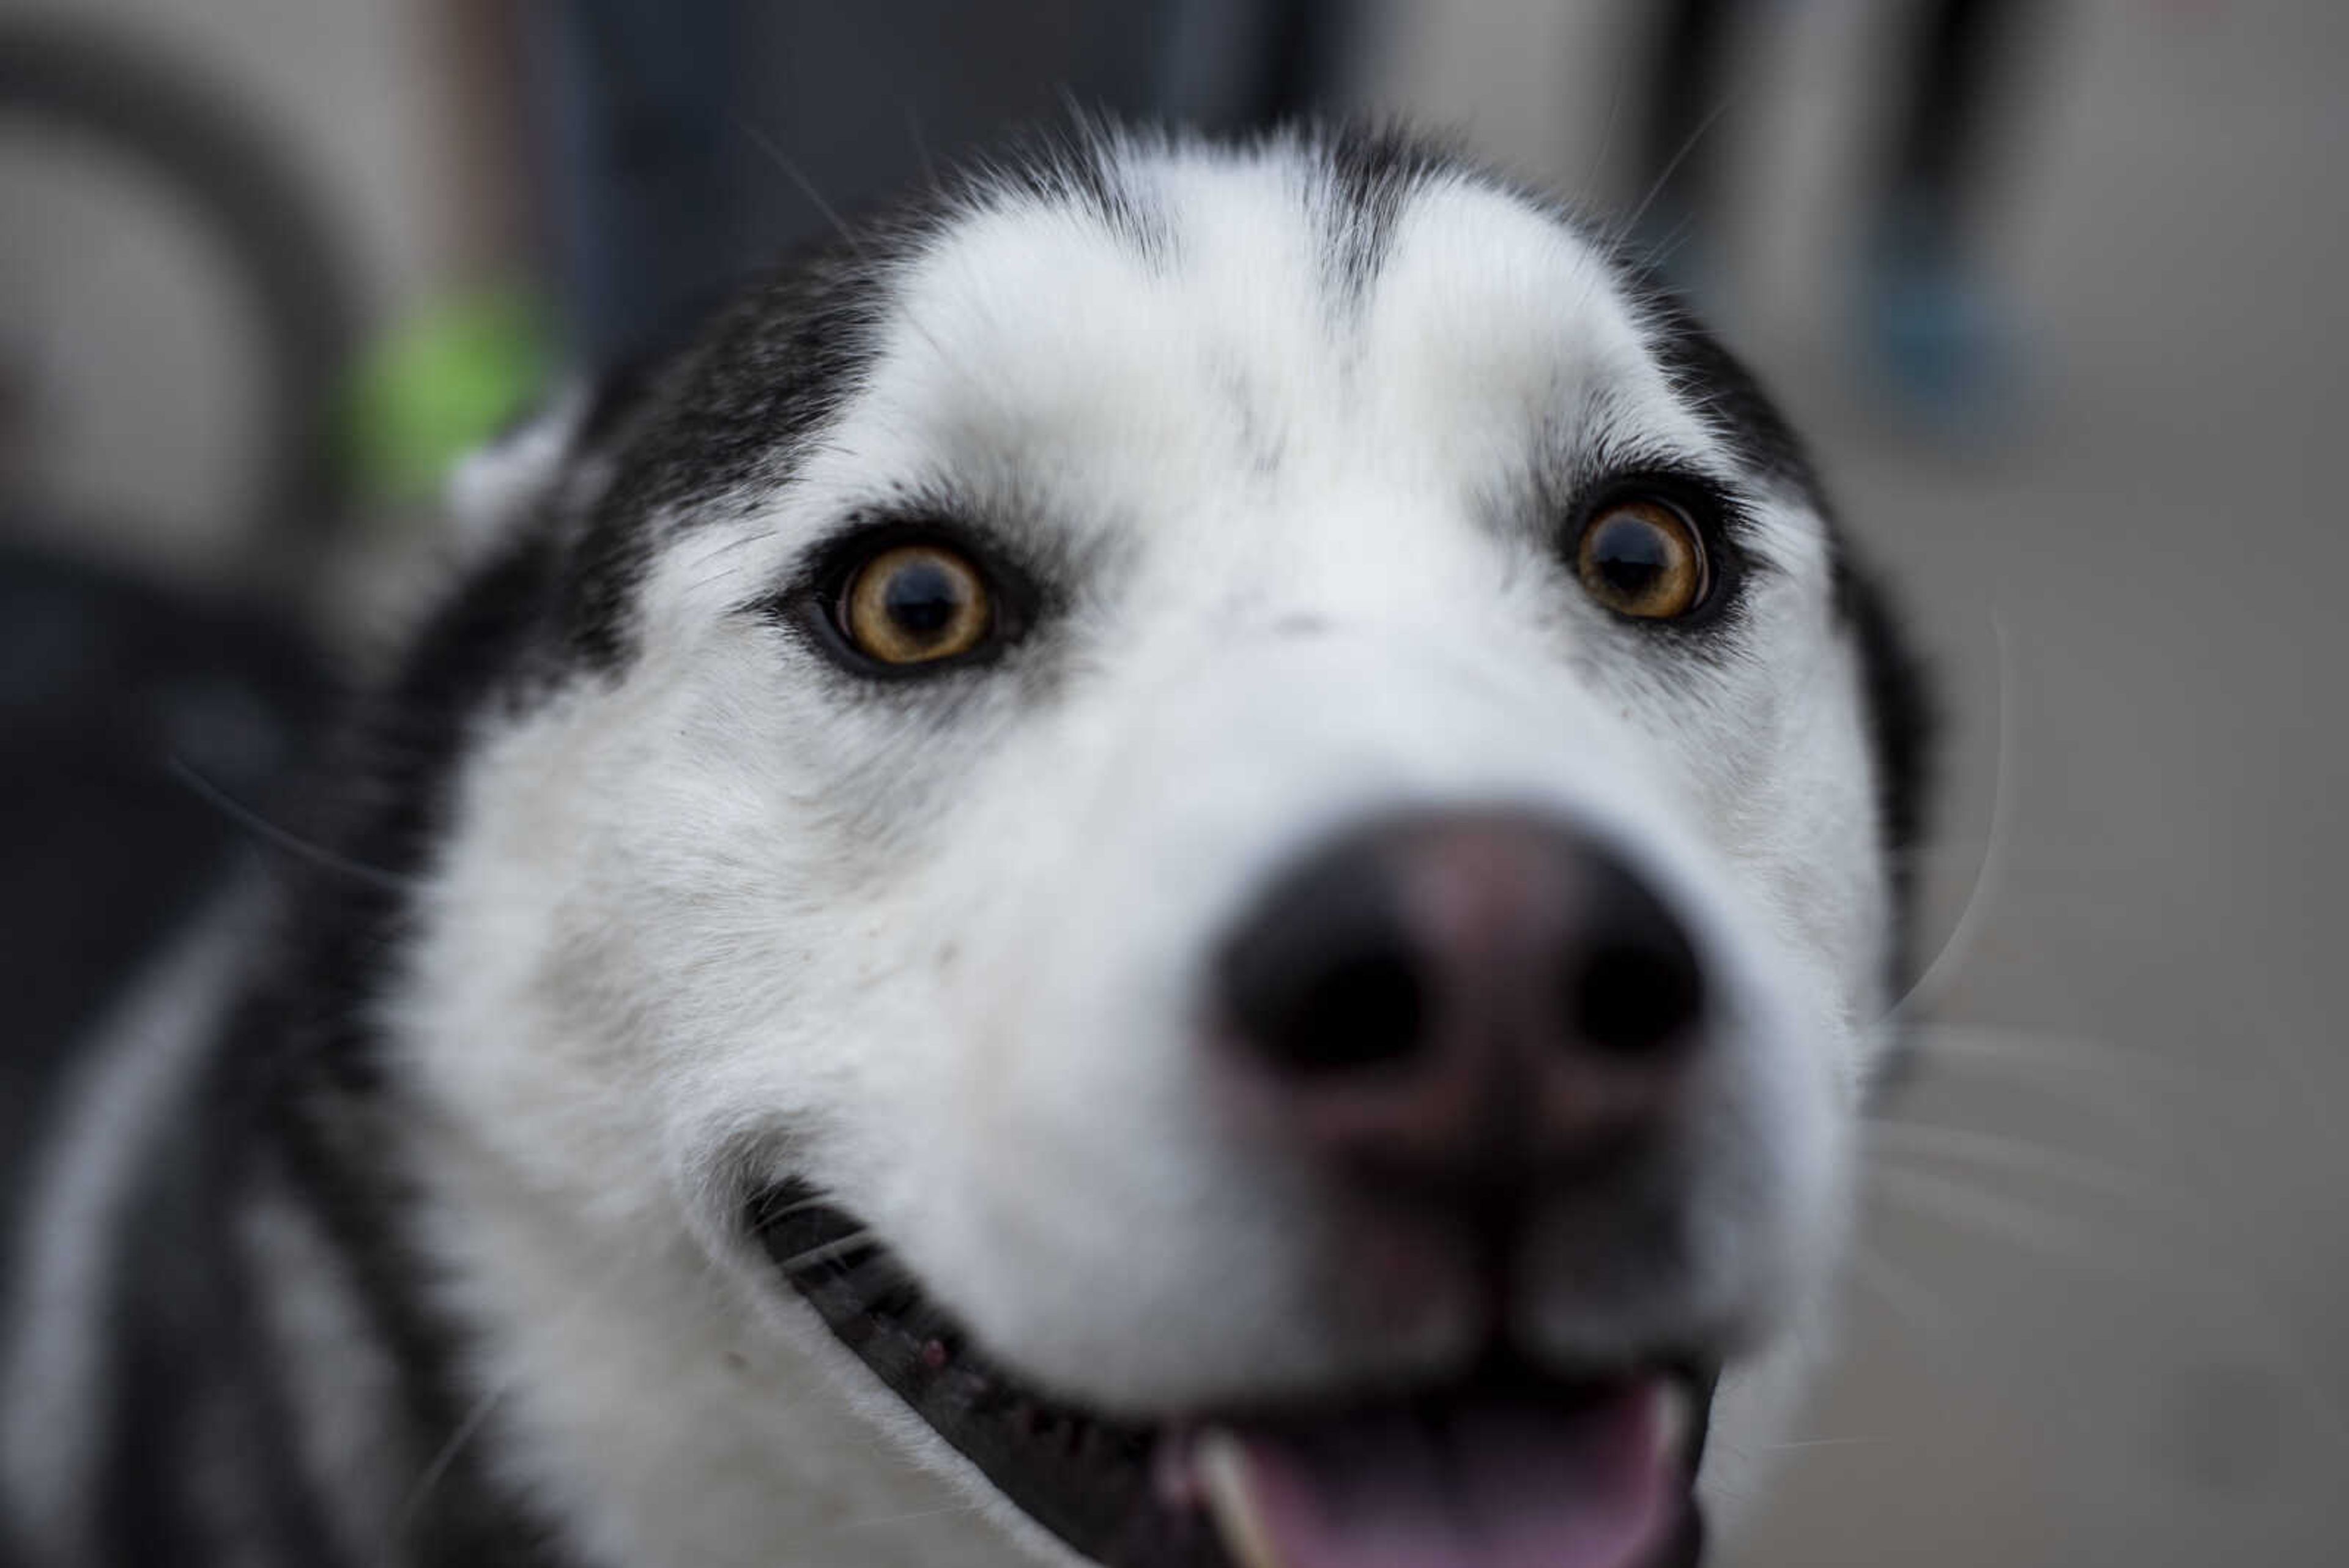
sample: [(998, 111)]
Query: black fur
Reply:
[(303, 1091), (1371, 176), (1896, 697), (734, 408), (1902, 727), (1724, 391)]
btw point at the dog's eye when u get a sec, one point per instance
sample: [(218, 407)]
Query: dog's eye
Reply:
[(915, 603), (1645, 559)]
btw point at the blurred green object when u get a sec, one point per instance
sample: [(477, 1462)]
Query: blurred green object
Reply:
[(442, 385)]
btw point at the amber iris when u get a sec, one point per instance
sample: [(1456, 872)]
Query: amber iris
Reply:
[(915, 603), (1643, 559)]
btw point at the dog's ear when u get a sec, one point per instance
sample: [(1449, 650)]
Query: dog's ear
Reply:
[(496, 488), (561, 452)]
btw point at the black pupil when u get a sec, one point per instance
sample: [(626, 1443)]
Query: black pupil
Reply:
[(923, 599), (1632, 555)]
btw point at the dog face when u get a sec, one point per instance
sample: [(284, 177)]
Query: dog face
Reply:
[(1221, 802)]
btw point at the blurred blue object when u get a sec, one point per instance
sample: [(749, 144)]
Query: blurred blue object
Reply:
[(1932, 341), (1927, 327)]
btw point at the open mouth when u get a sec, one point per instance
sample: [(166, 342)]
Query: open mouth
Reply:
[(1509, 1467)]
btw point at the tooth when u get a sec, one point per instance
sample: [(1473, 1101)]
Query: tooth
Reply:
[(1674, 1420), (1222, 1466)]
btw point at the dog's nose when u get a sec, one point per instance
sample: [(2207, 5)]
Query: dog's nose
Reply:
[(1463, 1001)]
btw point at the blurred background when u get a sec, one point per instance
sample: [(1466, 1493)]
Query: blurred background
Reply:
[(2056, 285)]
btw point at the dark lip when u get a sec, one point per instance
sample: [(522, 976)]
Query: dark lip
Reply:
[(1084, 1477)]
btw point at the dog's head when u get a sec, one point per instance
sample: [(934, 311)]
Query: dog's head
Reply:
[(1236, 809)]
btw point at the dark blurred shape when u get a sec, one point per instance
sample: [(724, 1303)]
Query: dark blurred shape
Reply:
[(647, 179), (1236, 66), (113, 694), (1936, 153), (1927, 325), (114, 688), (691, 142)]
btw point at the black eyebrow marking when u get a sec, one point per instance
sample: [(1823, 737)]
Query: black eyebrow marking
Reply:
[(1083, 166), (1368, 177), (1715, 384)]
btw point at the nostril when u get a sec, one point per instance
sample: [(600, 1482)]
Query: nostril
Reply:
[(1635, 986), (1360, 1009), (1325, 976), (1633, 998)]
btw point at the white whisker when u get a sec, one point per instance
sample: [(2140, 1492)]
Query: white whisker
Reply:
[(1986, 1214), (427, 1480), (1664, 249), (1821, 1443), (828, 1251), (725, 547), (806, 186), (477, 1417), (2051, 1053), (1934, 980), (2022, 1158), (768, 1215), (1673, 167), (2131, 1090), (1597, 169), (261, 828)]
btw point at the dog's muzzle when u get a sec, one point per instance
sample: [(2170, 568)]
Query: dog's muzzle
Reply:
[(1458, 1017), (1455, 1022)]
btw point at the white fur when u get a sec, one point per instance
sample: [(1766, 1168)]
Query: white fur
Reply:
[(493, 490), (939, 949)]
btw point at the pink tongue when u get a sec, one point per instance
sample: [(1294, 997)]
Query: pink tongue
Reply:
[(1487, 1485)]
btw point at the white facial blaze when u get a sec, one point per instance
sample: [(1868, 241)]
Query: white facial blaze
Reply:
[(942, 945)]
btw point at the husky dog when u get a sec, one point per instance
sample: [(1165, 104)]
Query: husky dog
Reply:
[(1192, 857)]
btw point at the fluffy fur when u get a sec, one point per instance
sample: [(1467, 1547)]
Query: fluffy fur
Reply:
[(641, 905)]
